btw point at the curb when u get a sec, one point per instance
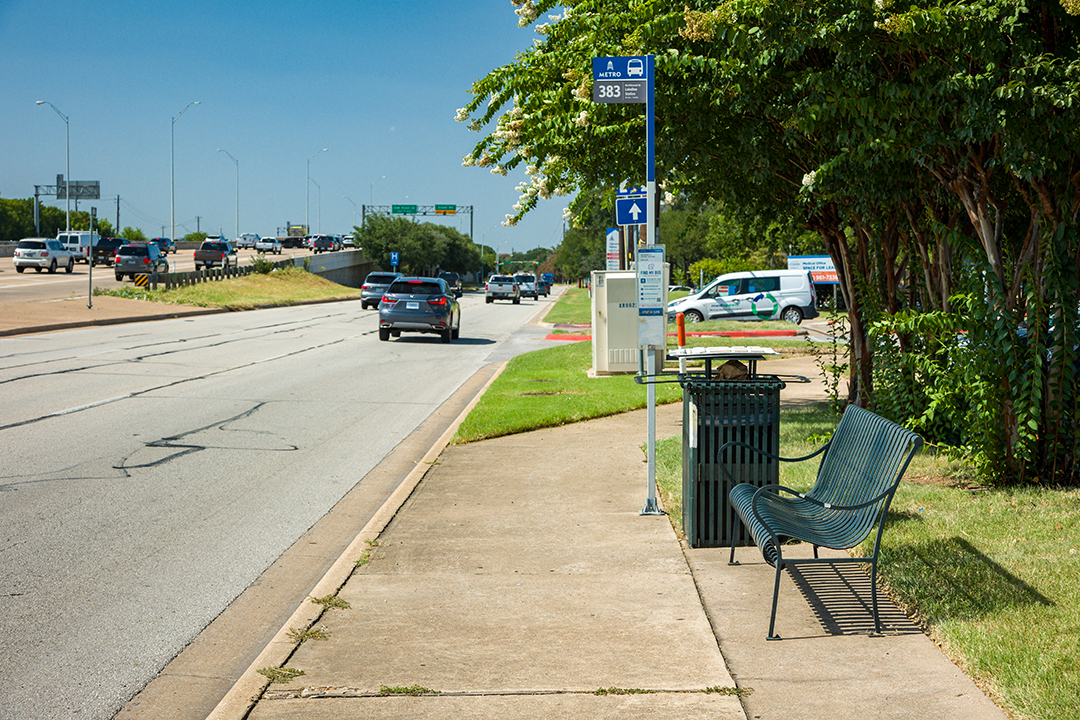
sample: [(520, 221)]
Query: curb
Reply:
[(249, 688)]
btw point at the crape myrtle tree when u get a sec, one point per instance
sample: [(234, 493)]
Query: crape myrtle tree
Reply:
[(931, 145)]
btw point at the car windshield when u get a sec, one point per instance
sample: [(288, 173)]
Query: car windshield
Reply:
[(415, 287), (31, 245)]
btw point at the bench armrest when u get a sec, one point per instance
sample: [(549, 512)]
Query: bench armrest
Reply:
[(736, 443)]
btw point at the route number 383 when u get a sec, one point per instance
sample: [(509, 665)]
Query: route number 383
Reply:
[(609, 90)]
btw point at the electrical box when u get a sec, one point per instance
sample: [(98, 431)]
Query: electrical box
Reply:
[(614, 322)]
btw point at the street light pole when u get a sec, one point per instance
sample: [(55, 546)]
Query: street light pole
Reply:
[(319, 215), (172, 168), (307, 191), (353, 208), (371, 191), (237, 236), (67, 176)]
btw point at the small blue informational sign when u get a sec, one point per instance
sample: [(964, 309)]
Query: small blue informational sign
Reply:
[(631, 211), (394, 259)]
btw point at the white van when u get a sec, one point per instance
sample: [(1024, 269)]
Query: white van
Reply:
[(758, 295), (77, 242)]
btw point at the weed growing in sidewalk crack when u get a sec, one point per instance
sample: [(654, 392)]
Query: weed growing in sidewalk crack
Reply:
[(279, 674), (331, 602), (299, 636), (365, 557)]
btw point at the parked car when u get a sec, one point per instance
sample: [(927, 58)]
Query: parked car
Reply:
[(138, 258), (105, 250), (166, 244), (42, 254), (419, 304), (759, 295), (454, 281), (374, 286), (247, 240), (268, 245)]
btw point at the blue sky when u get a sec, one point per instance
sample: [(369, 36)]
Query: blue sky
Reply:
[(377, 83)]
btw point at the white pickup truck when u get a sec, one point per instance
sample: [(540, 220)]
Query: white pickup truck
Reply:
[(502, 287), (268, 245)]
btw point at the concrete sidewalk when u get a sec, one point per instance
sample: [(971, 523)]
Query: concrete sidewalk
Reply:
[(518, 580)]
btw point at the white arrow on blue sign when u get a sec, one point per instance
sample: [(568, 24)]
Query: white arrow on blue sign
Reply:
[(631, 211)]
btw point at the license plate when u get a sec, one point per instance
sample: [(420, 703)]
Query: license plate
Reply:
[(412, 306)]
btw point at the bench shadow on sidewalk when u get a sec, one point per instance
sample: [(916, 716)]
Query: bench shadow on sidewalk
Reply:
[(840, 598)]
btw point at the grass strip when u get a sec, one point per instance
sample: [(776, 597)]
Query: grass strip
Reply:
[(287, 286), (548, 388)]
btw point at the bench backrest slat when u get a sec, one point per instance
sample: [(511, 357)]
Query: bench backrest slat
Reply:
[(866, 457)]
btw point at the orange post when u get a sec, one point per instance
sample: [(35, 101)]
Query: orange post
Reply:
[(680, 325)]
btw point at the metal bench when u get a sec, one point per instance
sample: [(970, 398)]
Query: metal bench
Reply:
[(856, 481)]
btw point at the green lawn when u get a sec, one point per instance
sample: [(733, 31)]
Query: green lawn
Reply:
[(550, 387)]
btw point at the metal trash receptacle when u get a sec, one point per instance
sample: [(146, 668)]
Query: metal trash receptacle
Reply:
[(716, 412)]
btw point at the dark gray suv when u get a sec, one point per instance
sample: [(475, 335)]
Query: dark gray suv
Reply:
[(419, 304), (374, 286), (139, 258)]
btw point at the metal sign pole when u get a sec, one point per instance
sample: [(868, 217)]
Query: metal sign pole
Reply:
[(90, 262), (651, 508)]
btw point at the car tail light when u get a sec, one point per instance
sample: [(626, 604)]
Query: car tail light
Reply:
[(437, 301), (146, 261)]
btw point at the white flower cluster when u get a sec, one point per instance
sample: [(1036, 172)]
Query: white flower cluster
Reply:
[(462, 115), (582, 119), (498, 170), (526, 12), (809, 178), (583, 91), (669, 198)]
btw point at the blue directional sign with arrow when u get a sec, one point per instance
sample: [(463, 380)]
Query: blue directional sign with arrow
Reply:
[(631, 211)]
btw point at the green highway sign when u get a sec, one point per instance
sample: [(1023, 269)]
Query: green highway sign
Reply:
[(446, 209), (403, 209)]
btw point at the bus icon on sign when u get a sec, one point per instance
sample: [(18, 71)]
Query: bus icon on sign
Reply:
[(635, 67)]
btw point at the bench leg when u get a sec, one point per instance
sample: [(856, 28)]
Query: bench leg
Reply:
[(873, 595), (775, 596)]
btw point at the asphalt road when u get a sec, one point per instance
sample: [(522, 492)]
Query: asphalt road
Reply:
[(151, 472)]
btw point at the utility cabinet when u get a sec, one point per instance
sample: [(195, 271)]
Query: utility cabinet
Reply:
[(614, 322)]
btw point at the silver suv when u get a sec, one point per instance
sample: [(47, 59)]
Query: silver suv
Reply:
[(139, 259), (41, 254)]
